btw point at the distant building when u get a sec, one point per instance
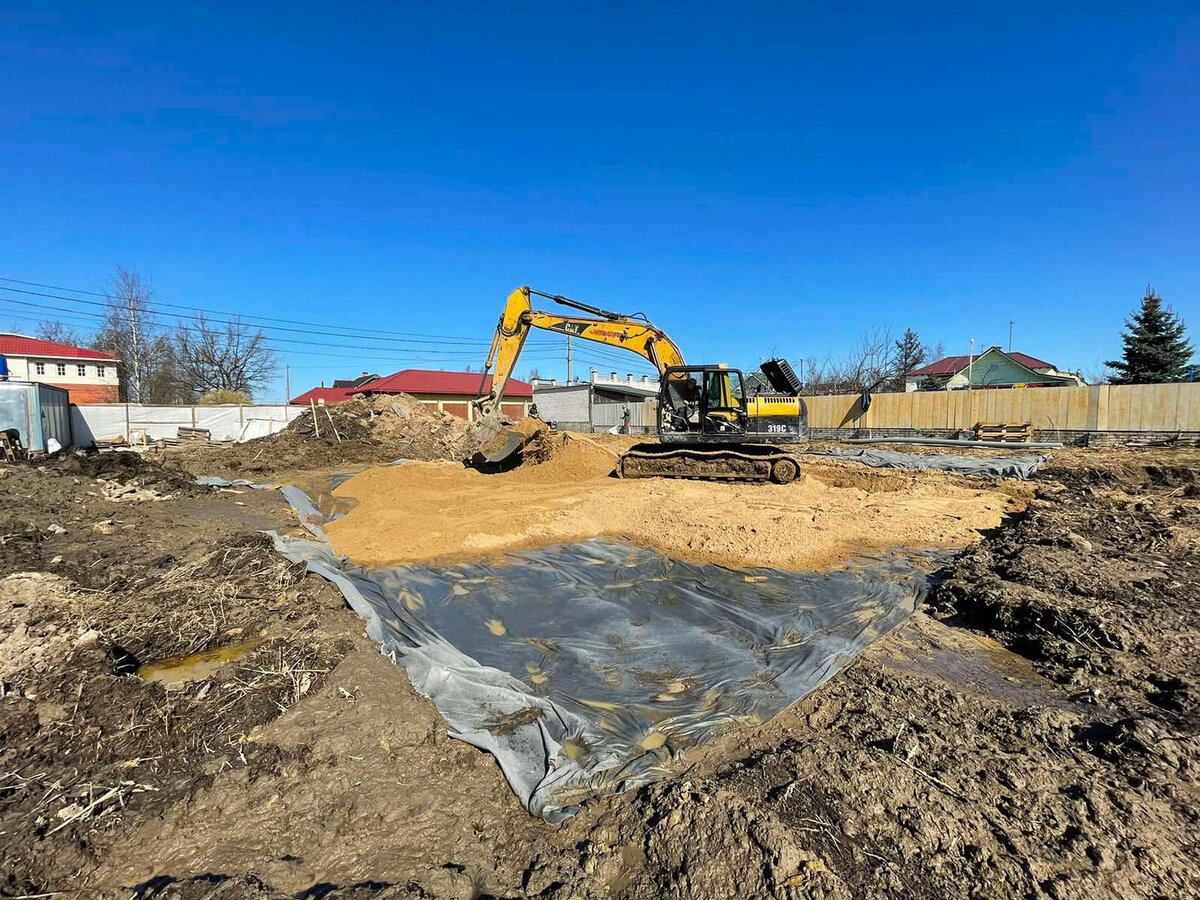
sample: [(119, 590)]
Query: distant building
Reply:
[(322, 396), (450, 392), (597, 404), (364, 378), (88, 376), (992, 368)]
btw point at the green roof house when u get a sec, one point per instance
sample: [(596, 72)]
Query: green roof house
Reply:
[(993, 368)]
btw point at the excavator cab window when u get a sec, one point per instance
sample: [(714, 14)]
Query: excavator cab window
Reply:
[(725, 402), (683, 402)]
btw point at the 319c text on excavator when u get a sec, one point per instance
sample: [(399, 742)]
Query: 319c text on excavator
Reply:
[(707, 426)]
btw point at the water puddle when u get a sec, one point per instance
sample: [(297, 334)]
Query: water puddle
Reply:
[(973, 663), (320, 488), (176, 672)]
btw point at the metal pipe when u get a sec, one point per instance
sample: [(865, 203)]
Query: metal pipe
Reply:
[(949, 442)]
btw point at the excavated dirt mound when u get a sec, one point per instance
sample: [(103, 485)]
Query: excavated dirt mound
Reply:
[(369, 430), (421, 511), (122, 467)]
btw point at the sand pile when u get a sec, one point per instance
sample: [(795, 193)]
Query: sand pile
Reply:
[(425, 511), (550, 456), (366, 430)]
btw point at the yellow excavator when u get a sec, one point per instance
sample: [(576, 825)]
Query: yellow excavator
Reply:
[(707, 426)]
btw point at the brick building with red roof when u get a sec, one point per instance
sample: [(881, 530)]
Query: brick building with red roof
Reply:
[(450, 392), (89, 376)]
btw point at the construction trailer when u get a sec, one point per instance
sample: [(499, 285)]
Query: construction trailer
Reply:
[(38, 412)]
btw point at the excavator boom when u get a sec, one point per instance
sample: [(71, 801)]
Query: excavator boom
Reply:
[(614, 329)]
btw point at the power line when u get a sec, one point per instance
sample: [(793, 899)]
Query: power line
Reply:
[(366, 332), (155, 318), (595, 348), (593, 353), (399, 357), (324, 327), (465, 343)]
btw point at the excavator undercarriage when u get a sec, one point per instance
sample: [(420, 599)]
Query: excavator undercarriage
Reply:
[(745, 462)]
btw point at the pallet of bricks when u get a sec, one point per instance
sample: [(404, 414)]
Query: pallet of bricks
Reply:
[(1005, 433)]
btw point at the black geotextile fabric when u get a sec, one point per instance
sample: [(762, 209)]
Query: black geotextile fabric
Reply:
[(587, 669), (981, 466)]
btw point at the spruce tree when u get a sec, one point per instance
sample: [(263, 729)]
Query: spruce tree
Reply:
[(1156, 348), (910, 353)]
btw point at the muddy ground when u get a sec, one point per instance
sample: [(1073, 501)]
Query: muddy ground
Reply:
[(1032, 731)]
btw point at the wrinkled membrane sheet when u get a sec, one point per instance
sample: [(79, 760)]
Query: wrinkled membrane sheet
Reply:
[(585, 669), (980, 466)]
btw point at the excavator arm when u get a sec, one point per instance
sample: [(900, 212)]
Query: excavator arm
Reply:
[(617, 330)]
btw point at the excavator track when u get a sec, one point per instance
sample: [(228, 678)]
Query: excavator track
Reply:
[(735, 462)]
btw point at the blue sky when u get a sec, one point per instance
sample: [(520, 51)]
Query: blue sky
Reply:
[(756, 178)]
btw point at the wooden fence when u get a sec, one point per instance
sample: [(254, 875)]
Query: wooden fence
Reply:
[(1102, 407)]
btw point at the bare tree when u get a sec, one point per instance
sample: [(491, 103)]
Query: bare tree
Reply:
[(871, 363), (60, 334), (222, 356), (130, 333)]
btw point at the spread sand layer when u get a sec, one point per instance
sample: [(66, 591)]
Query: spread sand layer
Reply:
[(426, 511)]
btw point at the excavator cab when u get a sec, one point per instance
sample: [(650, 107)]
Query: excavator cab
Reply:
[(702, 402)]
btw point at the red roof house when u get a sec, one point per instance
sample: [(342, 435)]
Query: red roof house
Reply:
[(991, 368), (430, 381), (20, 345), (323, 396), (89, 376), (451, 392), (952, 365)]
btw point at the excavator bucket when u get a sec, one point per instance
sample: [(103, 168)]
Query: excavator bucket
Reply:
[(497, 442)]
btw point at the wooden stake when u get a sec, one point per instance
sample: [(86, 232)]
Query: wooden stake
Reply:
[(331, 425), (316, 424)]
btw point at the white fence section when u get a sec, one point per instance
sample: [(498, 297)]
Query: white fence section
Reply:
[(133, 422)]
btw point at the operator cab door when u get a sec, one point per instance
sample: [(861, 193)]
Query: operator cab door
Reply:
[(680, 403), (724, 402)]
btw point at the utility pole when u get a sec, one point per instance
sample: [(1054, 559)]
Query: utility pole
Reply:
[(287, 384), (568, 359), (1010, 325), (970, 367), (802, 374)]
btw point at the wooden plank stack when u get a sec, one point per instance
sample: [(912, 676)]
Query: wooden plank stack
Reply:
[(1004, 433), (193, 435)]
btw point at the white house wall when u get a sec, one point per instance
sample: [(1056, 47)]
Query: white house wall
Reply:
[(25, 368)]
